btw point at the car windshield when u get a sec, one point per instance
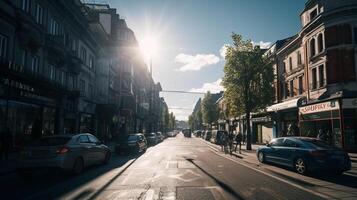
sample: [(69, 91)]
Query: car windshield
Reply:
[(132, 137), (51, 141)]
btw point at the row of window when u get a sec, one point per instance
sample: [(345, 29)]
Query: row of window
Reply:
[(318, 77), (82, 87), (298, 62), (320, 45), (290, 89)]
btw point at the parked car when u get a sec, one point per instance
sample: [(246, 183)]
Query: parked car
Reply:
[(151, 139), (216, 137), (207, 136), (160, 136), (65, 152), (187, 132), (305, 155), (133, 143)]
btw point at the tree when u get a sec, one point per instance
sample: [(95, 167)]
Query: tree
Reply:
[(248, 79), (172, 121), (209, 109)]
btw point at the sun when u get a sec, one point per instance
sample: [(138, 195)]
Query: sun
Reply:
[(149, 47)]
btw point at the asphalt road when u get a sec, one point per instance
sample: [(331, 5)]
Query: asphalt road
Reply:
[(178, 168)]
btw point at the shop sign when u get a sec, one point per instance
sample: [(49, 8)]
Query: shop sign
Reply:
[(261, 119), (320, 107), (349, 103)]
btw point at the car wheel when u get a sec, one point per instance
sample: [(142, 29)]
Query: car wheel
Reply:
[(107, 157), (78, 166), (300, 166), (261, 157)]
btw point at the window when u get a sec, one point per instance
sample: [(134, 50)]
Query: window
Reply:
[(321, 76), (84, 139), (291, 84), (314, 79), (63, 77), (90, 90), (35, 64), (320, 43), (277, 142), (84, 55), (23, 57), (82, 85), (93, 139), (90, 65), (290, 143), (54, 27), (3, 46), (25, 5), (70, 82), (290, 63), (284, 67), (301, 86), (299, 62), (287, 92), (39, 14), (312, 48), (52, 72), (313, 14)]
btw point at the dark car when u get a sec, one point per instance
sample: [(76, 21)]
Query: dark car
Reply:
[(305, 155), (151, 138), (65, 152), (160, 136), (187, 132), (133, 143)]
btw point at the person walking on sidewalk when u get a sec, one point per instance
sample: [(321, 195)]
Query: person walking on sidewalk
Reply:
[(225, 142), (238, 142)]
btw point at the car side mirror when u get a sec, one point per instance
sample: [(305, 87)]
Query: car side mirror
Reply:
[(267, 144)]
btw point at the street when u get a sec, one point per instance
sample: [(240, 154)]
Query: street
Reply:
[(178, 168)]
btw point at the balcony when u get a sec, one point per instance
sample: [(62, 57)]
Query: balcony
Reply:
[(23, 75)]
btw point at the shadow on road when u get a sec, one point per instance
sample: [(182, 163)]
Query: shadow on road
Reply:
[(52, 185), (226, 187)]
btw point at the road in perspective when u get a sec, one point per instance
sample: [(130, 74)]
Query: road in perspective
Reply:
[(178, 168), (178, 100)]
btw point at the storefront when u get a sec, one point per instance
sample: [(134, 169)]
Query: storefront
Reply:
[(285, 117), (262, 128), (337, 119)]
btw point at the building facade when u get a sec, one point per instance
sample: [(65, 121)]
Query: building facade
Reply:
[(68, 67)]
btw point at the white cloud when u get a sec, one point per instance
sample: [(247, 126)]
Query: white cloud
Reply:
[(223, 50), (214, 87), (262, 44), (195, 63)]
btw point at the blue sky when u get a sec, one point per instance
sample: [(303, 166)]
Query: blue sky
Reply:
[(190, 34)]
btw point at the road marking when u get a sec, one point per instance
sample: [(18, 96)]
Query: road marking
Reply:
[(149, 194), (272, 176)]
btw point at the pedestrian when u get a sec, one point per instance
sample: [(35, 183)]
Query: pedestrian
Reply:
[(239, 141), (321, 135), (230, 142), (6, 141)]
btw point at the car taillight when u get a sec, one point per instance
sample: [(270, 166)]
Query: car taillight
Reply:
[(62, 150), (317, 153)]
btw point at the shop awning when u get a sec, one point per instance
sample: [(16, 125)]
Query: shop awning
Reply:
[(294, 103)]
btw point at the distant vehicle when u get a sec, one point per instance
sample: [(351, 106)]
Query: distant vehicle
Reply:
[(171, 134), (305, 155), (160, 136), (133, 143), (216, 137), (65, 152), (187, 132), (207, 136), (151, 139)]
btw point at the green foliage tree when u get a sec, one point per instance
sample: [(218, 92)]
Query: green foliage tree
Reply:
[(248, 79), (209, 109), (172, 121)]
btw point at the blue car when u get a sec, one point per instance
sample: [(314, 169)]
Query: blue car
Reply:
[(305, 155)]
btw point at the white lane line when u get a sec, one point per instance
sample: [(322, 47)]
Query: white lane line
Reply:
[(272, 176), (150, 194)]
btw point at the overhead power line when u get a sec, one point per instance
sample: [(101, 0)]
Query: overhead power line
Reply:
[(185, 92)]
